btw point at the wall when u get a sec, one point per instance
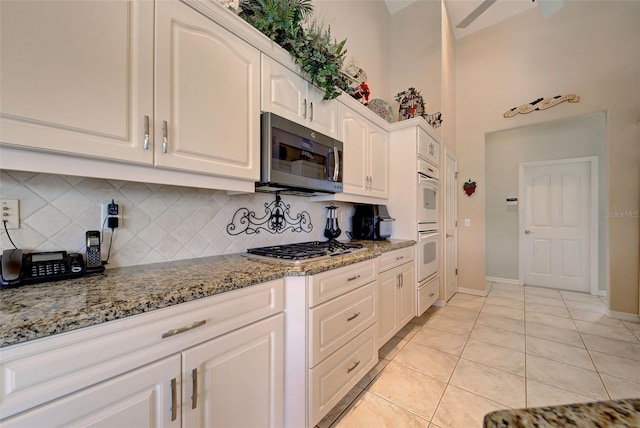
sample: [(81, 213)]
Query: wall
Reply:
[(416, 53), (448, 127), (587, 48), (367, 27), (160, 222), (505, 150)]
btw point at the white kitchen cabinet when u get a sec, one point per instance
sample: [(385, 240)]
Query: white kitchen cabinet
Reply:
[(77, 77), (207, 99), (366, 154), (237, 379), (397, 292), (102, 80), (217, 335), (145, 397), (428, 147), (289, 95)]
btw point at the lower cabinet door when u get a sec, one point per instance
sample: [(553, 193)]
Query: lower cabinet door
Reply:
[(387, 322), (147, 397), (236, 380), (407, 309)]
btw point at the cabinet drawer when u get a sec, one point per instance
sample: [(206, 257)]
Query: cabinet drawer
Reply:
[(428, 148), (428, 294), (335, 323), (330, 381), (394, 258), (35, 372), (333, 283)]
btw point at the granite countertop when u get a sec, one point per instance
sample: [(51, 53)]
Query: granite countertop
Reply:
[(39, 310), (616, 413)]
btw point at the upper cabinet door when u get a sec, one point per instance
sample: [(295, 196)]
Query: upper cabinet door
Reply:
[(77, 77), (283, 91), (207, 96), (323, 114), (353, 133), (379, 162)]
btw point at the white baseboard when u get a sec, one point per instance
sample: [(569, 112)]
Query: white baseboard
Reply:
[(473, 291), (503, 280), (623, 316), (601, 293)]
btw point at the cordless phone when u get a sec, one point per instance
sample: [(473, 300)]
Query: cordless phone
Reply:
[(94, 259)]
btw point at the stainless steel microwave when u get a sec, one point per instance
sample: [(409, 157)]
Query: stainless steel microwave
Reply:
[(294, 157)]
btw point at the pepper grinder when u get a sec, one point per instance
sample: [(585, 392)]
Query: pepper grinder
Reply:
[(332, 229)]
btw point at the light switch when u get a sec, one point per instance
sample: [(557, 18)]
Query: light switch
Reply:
[(467, 222)]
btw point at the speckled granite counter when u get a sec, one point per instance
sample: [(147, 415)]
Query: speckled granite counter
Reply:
[(601, 414), (39, 310)]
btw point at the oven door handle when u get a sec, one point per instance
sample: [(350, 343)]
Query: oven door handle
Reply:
[(425, 179), (336, 169)]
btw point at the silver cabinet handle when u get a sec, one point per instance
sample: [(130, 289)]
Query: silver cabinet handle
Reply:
[(400, 258), (174, 400), (449, 235), (165, 136), (353, 278), (398, 280), (528, 232), (311, 111), (183, 329), (145, 144), (354, 316), (304, 108), (336, 168), (194, 391), (432, 294), (401, 280), (353, 367)]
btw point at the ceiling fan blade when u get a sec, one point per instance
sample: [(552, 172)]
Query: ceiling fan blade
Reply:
[(475, 14)]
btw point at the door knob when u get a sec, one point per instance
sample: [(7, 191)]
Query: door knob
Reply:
[(449, 235), (528, 232)]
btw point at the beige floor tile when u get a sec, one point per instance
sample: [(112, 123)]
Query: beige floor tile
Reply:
[(504, 338), (372, 411), (495, 356), (451, 325), (466, 303), (375, 371), (549, 301), (633, 326), (541, 291), (458, 314), (409, 389), (503, 311), (426, 360), (505, 301), (620, 348), (599, 308), (620, 388), (507, 294), (565, 376), (471, 297), (507, 287), (503, 323), (461, 409), (559, 352), (408, 331), (391, 348), (556, 334), (441, 340), (616, 366), (493, 384), (539, 395), (550, 320), (595, 317), (580, 297), (541, 308), (334, 413), (620, 333)]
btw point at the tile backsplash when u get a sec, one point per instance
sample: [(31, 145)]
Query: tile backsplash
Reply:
[(159, 222)]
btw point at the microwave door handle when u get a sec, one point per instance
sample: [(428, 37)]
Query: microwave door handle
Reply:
[(336, 169)]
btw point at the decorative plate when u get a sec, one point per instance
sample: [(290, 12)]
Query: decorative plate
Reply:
[(381, 108)]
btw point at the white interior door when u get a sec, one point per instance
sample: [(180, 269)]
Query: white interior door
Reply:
[(450, 227), (557, 224)]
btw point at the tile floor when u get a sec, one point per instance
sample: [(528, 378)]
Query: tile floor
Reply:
[(517, 347)]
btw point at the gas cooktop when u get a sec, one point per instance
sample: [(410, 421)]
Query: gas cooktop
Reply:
[(304, 251)]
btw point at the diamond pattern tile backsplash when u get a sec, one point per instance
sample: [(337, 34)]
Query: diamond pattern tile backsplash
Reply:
[(159, 222)]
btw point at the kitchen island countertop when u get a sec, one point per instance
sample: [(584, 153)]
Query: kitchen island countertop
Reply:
[(39, 310)]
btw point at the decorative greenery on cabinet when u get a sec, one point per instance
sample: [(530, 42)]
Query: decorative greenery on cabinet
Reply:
[(289, 24)]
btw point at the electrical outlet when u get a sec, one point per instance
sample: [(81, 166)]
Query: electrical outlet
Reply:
[(10, 211), (110, 210)]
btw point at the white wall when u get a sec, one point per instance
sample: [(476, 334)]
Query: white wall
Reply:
[(448, 127), (588, 48), (576, 137)]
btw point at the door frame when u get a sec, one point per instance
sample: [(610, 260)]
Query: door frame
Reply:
[(593, 244), (447, 200)]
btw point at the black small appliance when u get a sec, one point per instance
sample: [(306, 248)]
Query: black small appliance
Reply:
[(371, 222)]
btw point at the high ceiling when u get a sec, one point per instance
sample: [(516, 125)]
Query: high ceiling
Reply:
[(460, 9)]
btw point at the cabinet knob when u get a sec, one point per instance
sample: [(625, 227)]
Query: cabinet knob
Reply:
[(528, 232)]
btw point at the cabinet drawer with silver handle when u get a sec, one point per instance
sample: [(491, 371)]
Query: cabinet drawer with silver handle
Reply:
[(335, 323), (327, 285), (428, 293), (330, 380), (395, 258)]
